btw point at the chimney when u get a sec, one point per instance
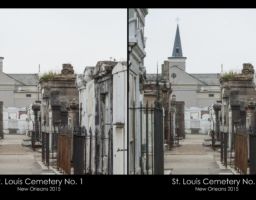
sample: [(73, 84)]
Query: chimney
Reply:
[(1, 64)]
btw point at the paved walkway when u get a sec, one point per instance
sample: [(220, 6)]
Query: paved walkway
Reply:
[(191, 157), (17, 159)]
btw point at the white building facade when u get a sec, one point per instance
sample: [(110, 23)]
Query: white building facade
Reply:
[(198, 91), (136, 75), (17, 92), (120, 124)]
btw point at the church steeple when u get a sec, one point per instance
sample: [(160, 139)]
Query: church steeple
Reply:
[(177, 59), (177, 49)]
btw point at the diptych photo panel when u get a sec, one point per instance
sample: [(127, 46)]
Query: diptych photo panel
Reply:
[(63, 91), (128, 91)]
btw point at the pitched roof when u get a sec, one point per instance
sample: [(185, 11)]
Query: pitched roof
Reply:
[(208, 79), (26, 79)]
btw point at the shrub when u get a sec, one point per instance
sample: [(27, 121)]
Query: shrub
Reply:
[(227, 76), (48, 76)]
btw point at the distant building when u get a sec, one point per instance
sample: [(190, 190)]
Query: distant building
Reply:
[(198, 91), (17, 92)]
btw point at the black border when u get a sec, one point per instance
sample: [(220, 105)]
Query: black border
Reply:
[(133, 184)]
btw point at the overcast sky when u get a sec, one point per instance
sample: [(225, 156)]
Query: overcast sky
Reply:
[(51, 37), (209, 38)]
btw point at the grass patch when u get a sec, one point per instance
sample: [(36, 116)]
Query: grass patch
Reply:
[(48, 76), (228, 76)]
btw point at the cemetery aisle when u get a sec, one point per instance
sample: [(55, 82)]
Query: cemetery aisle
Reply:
[(18, 159), (191, 157)]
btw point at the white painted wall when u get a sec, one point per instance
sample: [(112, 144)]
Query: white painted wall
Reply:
[(12, 119), (86, 88), (11, 94), (136, 36), (120, 116), (87, 100), (193, 119)]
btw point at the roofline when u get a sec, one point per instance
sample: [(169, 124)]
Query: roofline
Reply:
[(9, 75), (190, 75), (205, 73), (14, 79)]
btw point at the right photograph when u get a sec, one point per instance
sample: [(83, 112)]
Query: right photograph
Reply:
[(191, 91)]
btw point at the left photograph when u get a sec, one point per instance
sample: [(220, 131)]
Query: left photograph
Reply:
[(63, 91)]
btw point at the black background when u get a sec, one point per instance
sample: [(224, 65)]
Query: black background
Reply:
[(150, 185)]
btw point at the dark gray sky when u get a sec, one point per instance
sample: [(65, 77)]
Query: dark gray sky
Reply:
[(51, 37), (209, 37)]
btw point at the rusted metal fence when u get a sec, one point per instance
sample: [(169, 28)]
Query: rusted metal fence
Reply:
[(245, 151), (241, 152), (57, 149), (64, 153)]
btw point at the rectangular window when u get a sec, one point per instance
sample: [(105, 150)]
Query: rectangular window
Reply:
[(28, 95), (211, 95)]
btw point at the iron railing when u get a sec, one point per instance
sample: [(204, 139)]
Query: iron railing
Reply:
[(93, 153), (245, 152), (151, 159)]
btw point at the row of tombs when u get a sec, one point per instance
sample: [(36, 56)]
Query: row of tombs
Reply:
[(93, 132), (82, 127), (234, 128), (88, 113)]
